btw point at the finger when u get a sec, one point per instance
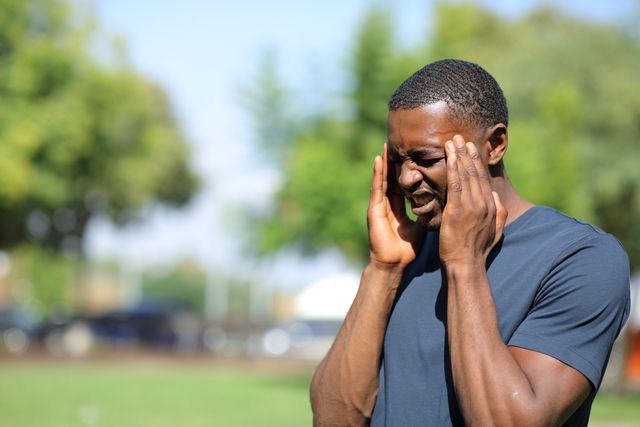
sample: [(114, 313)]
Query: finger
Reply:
[(501, 216), (376, 194), (454, 186), (467, 171), (482, 172), (385, 170)]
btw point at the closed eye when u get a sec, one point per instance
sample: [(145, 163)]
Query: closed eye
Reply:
[(427, 162)]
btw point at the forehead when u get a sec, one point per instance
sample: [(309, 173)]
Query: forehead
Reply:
[(429, 126)]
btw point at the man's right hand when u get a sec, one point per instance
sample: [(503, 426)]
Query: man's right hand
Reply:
[(394, 239)]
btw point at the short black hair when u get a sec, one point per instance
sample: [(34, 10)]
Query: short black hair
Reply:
[(472, 94)]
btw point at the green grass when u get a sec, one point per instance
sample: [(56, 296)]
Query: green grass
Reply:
[(68, 396), (609, 407)]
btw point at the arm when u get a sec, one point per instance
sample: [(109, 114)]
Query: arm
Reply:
[(495, 384), (344, 387)]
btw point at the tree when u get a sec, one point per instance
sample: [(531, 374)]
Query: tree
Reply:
[(79, 136), (574, 101), (182, 286), (268, 101), (328, 164)]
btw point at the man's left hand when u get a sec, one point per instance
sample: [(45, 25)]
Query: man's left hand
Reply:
[(474, 217)]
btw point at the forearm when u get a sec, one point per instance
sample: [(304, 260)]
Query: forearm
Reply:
[(344, 387), (492, 388)]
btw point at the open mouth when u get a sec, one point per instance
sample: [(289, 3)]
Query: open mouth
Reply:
[(420, 207)]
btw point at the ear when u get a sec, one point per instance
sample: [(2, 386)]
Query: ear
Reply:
[(497, 141)]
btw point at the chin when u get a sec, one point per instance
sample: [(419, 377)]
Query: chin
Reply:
[(433, 226), (431, 223)]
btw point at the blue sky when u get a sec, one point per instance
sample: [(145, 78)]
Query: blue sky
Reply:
[(202, 52)]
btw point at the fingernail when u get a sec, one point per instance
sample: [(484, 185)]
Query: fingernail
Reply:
[(459, 141), (450, 146), (471, 147)]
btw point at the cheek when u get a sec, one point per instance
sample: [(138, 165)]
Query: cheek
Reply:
[(436, 177)]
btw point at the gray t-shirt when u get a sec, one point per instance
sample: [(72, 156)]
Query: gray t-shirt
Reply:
[(561, 287)]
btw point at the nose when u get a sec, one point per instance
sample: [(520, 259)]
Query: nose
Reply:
[(409, 176)]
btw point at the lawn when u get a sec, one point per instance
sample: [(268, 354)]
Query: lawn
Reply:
[(37, 395), (67, 395), (624, 409)]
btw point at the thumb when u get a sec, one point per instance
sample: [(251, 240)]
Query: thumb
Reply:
[(501, 216)]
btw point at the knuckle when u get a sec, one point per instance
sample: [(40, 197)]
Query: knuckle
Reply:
[(455, 186), (471, 171)]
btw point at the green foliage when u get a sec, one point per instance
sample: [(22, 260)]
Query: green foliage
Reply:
[(183, 285), (371, 69), (79, 137), (329, 163), (574, 100), (42, 279), (322, 180), (269, 103)]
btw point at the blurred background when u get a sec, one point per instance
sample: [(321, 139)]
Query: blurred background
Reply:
[(184, 186)]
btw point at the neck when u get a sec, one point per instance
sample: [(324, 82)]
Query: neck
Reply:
[(513, 202)]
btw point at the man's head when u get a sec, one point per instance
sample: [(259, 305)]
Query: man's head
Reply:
[(471, 93), (443, 99)]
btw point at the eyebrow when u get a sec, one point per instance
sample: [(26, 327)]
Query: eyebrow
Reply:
[(428, 151)]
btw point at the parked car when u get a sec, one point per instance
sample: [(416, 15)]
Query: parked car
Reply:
[(149, 324)]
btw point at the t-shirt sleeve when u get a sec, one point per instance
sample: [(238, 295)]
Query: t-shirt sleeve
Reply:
[(580, 307)]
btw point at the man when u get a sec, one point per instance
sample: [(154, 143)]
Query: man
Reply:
[(487, 310)]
